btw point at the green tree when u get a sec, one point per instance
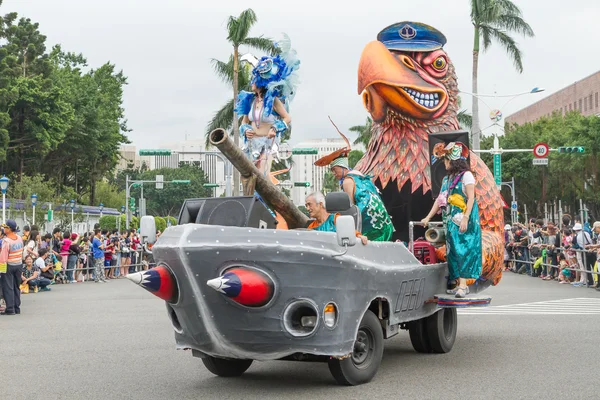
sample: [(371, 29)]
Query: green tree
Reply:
[(238, 29), (160, 223), (364, 132), (494, 20), (568, 177), (354, 157), (330, 184), (168, 201)]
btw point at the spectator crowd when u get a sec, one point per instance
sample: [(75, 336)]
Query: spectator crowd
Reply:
[(31, 262), (568, 253)]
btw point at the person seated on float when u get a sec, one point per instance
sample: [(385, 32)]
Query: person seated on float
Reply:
[(324, 221), (376, 222)]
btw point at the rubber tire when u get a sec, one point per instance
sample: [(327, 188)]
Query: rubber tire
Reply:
[(442, 338), (226, 368), (345, 371), (418, 336), (427, 334)]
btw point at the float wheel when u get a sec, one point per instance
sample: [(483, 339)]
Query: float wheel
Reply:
[(226, 367), (363, 363)]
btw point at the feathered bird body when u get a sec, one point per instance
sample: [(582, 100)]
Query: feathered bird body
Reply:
[(411, 95)]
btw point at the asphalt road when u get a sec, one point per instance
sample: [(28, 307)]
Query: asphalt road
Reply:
[(114, 341)]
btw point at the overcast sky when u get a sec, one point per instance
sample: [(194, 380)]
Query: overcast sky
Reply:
[(165, 47)]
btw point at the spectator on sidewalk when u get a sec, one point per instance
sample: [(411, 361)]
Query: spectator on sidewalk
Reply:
[(98, 253), (584, 259), (31, 245), (26, 231), (32, 273), (12, 255)]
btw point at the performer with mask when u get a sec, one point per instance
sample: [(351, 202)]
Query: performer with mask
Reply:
[(376, 223), (265, 111)]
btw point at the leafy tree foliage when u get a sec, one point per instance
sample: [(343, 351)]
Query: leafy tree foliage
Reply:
[(568, 177)]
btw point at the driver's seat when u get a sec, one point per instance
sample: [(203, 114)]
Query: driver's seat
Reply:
[(339, 203)]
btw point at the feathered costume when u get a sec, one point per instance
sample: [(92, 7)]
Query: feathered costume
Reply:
[(278, 75)]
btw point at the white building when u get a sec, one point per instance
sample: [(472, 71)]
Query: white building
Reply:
[(187, 151), (304, 170)]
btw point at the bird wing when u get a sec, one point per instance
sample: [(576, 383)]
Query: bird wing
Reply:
[(488, 197)]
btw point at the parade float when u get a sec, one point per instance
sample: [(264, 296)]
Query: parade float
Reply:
[(243, 280)]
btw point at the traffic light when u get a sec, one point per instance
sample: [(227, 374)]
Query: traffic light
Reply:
[(302, 184), (305, 151), (571, 149), (155, 152), (181, 181), (132, 203), (210, 185)]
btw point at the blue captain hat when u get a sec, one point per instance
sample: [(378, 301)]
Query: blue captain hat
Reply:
[(411, 36)]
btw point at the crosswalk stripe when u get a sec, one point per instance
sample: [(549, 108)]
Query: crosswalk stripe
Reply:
[(573, 306)]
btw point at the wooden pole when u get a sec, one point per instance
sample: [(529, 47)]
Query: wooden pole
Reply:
[(269, 192)]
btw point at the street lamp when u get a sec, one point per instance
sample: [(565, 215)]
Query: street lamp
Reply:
[(3, 186), (101, 208), (33, 203), (122, 209), (72, 209)]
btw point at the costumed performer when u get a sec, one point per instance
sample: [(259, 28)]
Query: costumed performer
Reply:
[(376, 222), (265, 111), (324, 221), (460, 215)]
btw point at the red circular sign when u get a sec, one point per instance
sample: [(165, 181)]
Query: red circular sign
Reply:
[(541, 150)]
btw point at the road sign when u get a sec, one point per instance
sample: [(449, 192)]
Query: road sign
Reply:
[(540, 161), (50, 215), (541, 150), (305, 151), (513, 206), (210, 185), (159, 181), (284, 151), (498, 169), (181, 181), (302, 184), (287, 184), (153, 152)]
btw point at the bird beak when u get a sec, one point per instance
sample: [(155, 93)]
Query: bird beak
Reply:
[(384, 78)]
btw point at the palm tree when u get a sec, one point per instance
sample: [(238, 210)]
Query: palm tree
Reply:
[(364, 133), (238, 29), (465, 120), (494, 20)]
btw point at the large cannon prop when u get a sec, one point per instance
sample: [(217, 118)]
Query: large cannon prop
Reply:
[(253, 179)]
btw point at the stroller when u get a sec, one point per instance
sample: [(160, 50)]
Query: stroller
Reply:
[(59, 273)]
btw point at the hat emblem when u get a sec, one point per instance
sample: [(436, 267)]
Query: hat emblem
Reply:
[(407, 32)]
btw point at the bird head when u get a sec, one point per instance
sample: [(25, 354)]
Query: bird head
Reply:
[(407, 73)]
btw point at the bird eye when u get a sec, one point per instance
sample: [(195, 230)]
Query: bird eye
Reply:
[(439, 63)]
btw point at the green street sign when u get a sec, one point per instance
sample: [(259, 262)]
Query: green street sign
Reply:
[(132, 203), (136, 185), (181, 181), (155, 152), (305, 151), (50, 215), (210, 185), (498, 169), (302, 184), (571, 149)]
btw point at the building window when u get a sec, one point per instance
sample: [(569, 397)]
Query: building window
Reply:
[(591, 103), (596, 99), (580, 101), (570, 108), (585, 104)]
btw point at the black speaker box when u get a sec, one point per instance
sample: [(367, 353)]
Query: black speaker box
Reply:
[(438, 170), (228, 211)]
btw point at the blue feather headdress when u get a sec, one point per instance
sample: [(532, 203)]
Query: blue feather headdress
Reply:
[(277, 74)]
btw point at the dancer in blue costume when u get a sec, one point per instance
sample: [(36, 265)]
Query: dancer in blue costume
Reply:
[(460, 215), (376, 223), (265, 110)]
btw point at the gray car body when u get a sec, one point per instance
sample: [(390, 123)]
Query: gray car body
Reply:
[(304, 265)]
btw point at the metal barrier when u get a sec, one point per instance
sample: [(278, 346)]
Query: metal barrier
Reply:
[(584, 259), (88, 267)]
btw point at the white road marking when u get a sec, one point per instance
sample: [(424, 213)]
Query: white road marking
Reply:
[(575, 306)]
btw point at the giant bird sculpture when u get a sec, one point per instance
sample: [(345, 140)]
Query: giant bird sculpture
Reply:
[(409, 86)]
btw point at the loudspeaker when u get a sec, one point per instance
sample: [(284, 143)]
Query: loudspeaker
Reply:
[(229, 211), (438, 169)]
